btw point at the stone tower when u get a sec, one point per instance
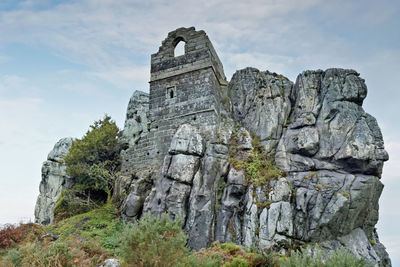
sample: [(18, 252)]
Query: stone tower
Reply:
[(183, 89)]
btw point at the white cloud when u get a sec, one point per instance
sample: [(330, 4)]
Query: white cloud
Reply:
[(10, 82), (115, 38), (109, 36), (125, 77)]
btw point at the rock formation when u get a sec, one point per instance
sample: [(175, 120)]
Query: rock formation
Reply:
[(54, 180), (194, 147), (329, 152)]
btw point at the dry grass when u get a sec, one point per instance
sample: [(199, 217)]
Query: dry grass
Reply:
[(11, 235)]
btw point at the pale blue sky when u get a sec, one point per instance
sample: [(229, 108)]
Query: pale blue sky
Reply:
[(63, 64)]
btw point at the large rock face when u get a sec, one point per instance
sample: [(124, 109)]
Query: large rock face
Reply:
[(260, 103), (329, 150), (328, 128), (136, 126), (54, 180)]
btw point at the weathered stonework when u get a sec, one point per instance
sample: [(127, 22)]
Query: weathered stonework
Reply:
[(183, 89)]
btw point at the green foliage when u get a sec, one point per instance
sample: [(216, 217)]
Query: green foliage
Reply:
[(71, 252), (265, 204), (220, 191), (341, 257), (14, 257), (258, 165), (93, 160), (260, 168), (93, 163), (88, 239), (231, 254), (101, 224), (70, 204), (83, 240), (153, 242)]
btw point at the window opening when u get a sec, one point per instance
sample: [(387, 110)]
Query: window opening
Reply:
[(179, 49), (171, 93)]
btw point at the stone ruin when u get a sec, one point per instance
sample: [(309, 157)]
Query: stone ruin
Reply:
[(329, 150), (184, 89)]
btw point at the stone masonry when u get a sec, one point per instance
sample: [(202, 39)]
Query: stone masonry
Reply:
[(183, 89)]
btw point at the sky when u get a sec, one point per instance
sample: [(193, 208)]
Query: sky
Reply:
[(64, 64)]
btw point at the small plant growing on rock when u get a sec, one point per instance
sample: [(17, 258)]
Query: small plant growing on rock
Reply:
[(258, 165)]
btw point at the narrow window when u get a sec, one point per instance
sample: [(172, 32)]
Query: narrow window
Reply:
[(179, 49), (171, 92)]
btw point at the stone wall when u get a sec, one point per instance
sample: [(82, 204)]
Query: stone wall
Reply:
[(183, 89)]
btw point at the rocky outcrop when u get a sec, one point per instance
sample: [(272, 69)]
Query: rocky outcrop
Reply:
[(136, 118), (54, 180), (328, 128), (136, 126), (260, 103), (329, 151)]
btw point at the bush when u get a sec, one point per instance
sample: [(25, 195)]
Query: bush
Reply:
[(153, 242), (232, 255), (259, 167), (93, 160)]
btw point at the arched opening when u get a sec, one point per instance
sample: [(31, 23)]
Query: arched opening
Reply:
[(179, 48), (171, 93)]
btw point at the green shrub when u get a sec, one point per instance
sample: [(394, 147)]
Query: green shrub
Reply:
[(231, 254), (260, 168), (93, 161), (153, 242), (258, 165)]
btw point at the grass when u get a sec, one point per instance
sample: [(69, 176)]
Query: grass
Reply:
[(88, 239), (231, 254), (83, 240)]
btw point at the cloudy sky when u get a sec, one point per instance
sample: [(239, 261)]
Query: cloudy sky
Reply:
[(64, 64)]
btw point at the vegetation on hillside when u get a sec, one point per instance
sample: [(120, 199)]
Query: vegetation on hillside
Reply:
[(93, 162), (88, 239), (88, 229)]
